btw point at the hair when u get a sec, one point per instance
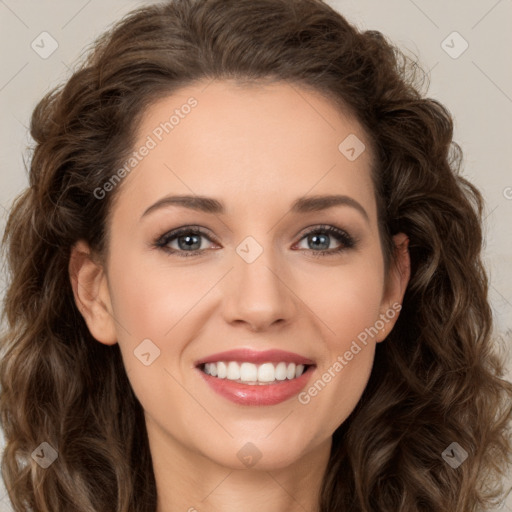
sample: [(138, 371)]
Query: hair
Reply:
[(436, 379)]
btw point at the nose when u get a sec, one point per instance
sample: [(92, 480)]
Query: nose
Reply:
[(257, 294)]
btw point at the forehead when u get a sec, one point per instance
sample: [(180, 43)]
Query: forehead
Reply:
[(267, 143)]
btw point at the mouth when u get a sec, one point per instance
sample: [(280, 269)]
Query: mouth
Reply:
[(250, 377), (252, 374)]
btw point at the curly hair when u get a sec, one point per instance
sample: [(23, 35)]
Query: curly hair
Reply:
[(436, 380)]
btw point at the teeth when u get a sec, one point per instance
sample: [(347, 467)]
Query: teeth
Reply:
[(233, 371), (249, 373), (281, 371), (222, 371)]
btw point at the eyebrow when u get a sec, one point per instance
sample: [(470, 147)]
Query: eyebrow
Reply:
[(301, 205)]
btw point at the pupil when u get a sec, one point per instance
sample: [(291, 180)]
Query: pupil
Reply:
[(326, 242)]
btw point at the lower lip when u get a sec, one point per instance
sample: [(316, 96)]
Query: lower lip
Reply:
[(267, 394)]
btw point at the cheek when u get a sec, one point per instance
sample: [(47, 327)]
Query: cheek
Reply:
[(346, 299), (150, 304), (336, 391), (150, 301), (149, 296), (348, 306)]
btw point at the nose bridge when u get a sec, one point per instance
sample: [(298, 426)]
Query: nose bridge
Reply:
[(257, 292)]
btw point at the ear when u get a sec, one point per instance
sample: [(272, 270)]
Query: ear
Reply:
[(396, 284), (92, 296)]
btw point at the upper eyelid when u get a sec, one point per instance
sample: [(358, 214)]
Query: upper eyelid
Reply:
[(174, 233)]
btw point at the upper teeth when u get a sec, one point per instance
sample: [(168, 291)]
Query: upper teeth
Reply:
[(252, 373)]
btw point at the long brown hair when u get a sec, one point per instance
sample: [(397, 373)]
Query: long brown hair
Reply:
[(437, 377)]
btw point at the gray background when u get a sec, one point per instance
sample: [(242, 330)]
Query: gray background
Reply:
[(476, 86)]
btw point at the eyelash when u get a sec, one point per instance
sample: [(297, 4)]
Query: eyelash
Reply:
[(348, 242)]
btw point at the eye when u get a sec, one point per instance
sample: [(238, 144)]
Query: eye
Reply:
[(320, 238), (188, 241)]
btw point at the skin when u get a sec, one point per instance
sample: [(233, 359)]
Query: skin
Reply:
[(255, 148)]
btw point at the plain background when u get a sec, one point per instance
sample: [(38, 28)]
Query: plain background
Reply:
[(476, 86)]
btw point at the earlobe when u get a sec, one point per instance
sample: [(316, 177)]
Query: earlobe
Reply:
[(92, 297), (397, 281)]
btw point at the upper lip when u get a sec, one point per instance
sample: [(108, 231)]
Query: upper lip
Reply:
[(256, 357)]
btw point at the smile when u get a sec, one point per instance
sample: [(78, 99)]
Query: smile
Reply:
[(249, 377)]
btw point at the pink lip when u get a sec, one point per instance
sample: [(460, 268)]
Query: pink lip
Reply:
[(252, 356), (267, 394)]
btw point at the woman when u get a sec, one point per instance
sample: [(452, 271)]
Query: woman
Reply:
[(176, 338)]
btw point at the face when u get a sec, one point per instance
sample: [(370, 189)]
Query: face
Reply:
[(293, 286)]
